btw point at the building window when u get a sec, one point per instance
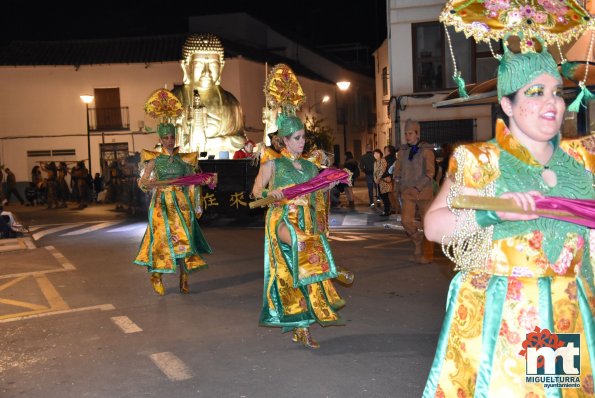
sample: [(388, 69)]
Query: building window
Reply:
[(109, 113), (447, 131), (432, 63), (384, 82)]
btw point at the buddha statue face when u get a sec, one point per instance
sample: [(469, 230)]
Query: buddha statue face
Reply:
[(203, 61), (204, 70)]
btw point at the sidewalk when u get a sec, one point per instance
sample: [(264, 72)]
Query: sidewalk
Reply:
[(363, 215)]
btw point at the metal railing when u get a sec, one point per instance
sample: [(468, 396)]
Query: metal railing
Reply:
[(109, 119)]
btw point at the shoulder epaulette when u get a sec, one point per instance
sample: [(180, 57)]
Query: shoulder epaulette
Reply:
[(147, 155), (481, 164), (190, 157), (582, 150), (268, 154)]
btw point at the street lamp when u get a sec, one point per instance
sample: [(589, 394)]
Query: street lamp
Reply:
[(87, 99), (324, 99), (344, 86)]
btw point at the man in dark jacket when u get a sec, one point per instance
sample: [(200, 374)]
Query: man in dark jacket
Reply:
[(11, 187), (367, 166)]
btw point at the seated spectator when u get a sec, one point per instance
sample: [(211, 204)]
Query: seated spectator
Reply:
[(246, 151), (9, 228)]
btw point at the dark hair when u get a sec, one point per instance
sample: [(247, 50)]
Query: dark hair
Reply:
[(379, 151), (348, 155), (391, 149)]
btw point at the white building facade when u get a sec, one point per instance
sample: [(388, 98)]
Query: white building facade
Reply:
[(44, 118)]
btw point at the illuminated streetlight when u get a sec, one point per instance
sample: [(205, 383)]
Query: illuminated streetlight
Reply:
[(324, 99), (344, 86), (87, 99)]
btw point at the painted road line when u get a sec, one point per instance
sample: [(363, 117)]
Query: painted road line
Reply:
[(29, 243), (7, 245), (129, 227), (126, 324), (92, 228), (102, 307), (388, 243), (355, 219), (171, 366), (41, 234), (67, 265)]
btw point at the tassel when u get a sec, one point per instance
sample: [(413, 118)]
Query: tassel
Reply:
[(461, 85), (583, 98)]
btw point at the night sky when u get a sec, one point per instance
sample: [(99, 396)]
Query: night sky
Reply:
[(312, 22)]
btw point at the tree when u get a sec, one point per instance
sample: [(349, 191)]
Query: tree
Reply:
[(318, 135)]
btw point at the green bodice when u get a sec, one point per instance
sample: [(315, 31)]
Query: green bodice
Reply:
[(167, 167), (286, 174), (573, 181)]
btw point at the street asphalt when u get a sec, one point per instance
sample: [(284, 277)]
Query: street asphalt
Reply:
[(78, 319)]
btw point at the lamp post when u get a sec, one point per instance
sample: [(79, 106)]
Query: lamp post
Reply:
[(324, 99), (344, 86), (87, 99)]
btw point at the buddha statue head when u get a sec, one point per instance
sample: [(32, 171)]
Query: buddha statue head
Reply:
[(202, 61)]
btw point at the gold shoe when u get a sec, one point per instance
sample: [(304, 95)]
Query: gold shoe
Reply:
[(303, 335), (184, 282), (157, 284), (345, 276)]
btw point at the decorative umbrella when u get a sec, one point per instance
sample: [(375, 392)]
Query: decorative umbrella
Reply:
[(325, 179), (550, 22)]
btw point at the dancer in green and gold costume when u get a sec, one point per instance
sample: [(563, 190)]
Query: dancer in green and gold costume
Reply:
[(173, 238), (525, 280), (298, 261)]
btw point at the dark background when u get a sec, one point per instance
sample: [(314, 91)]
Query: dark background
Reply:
[(310, 22)]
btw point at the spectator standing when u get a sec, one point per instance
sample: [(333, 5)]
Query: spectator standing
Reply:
[(384, 181), (367, 166), (97, 186), (351, 165), (63, 190), (51, 184), (82, 183), (414, 173), (390, 157), (11, 187)]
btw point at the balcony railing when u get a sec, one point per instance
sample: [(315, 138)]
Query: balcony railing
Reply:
[(109, 119)]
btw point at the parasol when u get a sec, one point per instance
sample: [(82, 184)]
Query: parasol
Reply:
[(325, 179), (576, 211), (549, 22)]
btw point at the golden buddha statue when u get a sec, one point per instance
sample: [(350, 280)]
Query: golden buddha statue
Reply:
[(212, 118)]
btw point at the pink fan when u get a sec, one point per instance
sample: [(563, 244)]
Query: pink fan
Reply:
[(209, 179), (325, 179), (576, 211)]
